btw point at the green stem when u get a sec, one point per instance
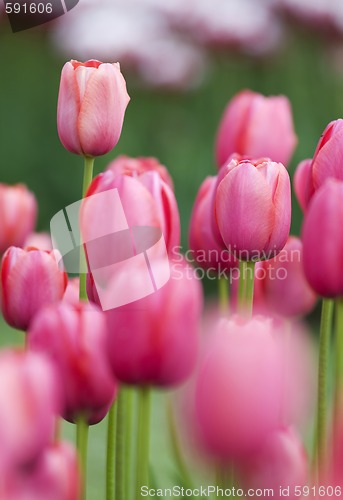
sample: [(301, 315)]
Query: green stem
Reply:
[(111, 452), (241, 285), (338, 362), (87, 179), (128, 441), (143, 439), (176, 448), (223, 291), (82, 448), (323, 364), (249, 290), (120, 446)]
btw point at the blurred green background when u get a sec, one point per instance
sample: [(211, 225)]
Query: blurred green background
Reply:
[(177, 128)]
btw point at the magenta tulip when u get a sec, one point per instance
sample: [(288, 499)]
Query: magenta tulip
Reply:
[(284, 287), (75, 338), (133, 167), (239, 388), (91, 106), (280, 463), (203, 243), (323, 242), (30, 279), (253, 208), (256, 126), (18, 212), (30, 399), (155, 339)]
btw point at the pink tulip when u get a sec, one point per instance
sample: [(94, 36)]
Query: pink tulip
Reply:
[(253, 208), (155, 340), (53, 476), (302, 182), (147, 201), (256, 126), (285, 290), (30, 279), (29, 403), (323, 242), (72, 293), (42, 241), (18, 212), (238, 393), (133, 167), (91, 106), (206, 250), (280, 463), (75, 337)]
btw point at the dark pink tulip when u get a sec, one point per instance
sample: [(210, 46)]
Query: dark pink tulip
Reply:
[(18, 212), (239, 388), (53, 476), (204, 245), (256, 126), (74, 337), (29, 402), (91, 106), (302, 182), (280, 463), (133, 167), (285, 290), (322, 240), (155, 339), (253, 208), (30, 280)]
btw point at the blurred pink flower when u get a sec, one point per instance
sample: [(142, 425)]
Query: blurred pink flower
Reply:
[(41, 241)]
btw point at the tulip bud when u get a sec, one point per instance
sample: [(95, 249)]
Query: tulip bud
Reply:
[(281, 463), (134, 167), (322, 240), (29, 403), (75, 337), (284, 287), (253, 208), (30, 279), (91, 106), (204, 245), (155, 339), (256, 126), (18, 211)]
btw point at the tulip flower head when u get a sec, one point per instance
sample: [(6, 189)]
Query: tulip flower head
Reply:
[(253, 208), (91, 106)]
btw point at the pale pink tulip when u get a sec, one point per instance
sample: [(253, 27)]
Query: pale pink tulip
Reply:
[(91, 106), (256, 126), (30, 280), (41, 241), (18, 212), (253, 208), (133, 167)]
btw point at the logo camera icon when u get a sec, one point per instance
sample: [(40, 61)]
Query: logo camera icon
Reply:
[(26, 14), (127, 263)]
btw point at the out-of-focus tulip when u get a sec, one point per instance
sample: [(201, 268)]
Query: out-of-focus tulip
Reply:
[(155, 340), (256, 126), (53, 476), (246, 386), (91, 106), (18, 212), (280, 463), (133, 167), (206, 250), (323, 242), (253, 208), (30, 279), (146, 200), (42, 241), (72, 293), (75, 338), (302, 183), (29, 403), (285, 289)]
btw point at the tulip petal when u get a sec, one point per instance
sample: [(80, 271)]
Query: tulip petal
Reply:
[(329, 160)]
